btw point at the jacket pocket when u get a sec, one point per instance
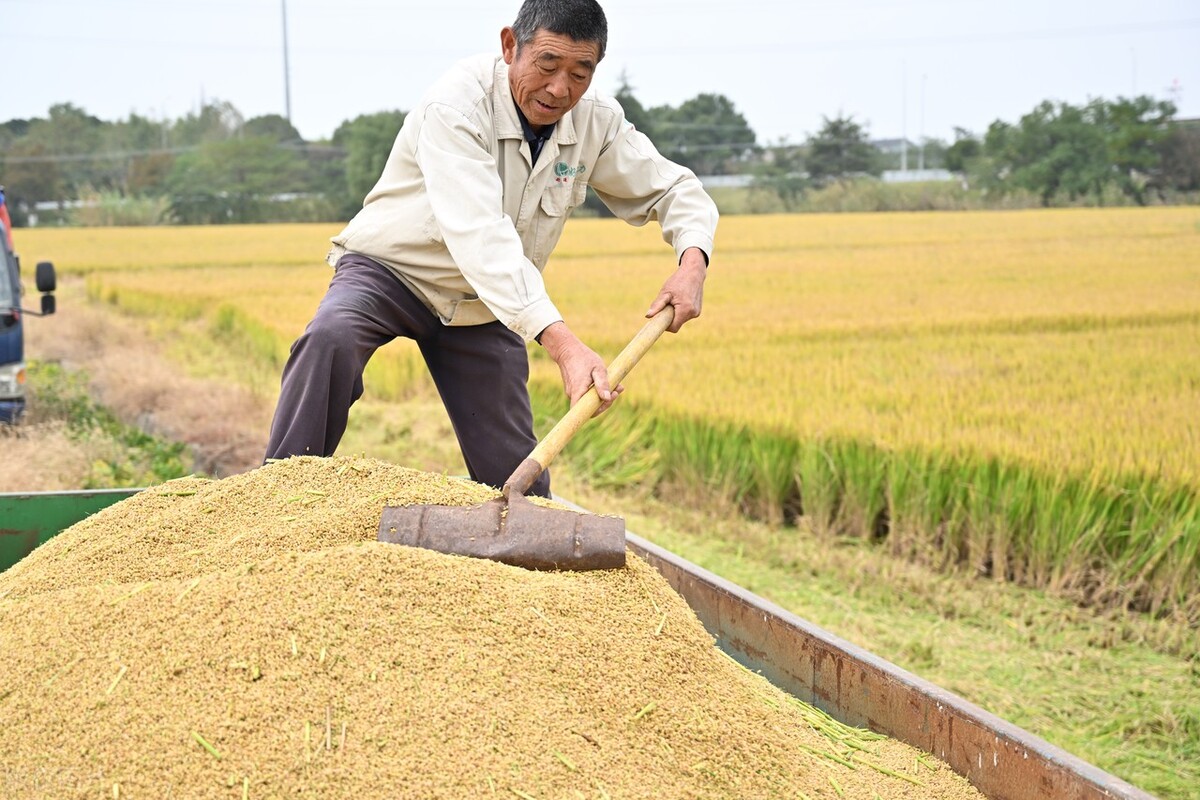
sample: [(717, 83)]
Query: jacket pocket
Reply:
[(559, 201)]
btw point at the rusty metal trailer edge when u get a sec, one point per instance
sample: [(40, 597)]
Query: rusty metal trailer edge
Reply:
[(1002, 760)]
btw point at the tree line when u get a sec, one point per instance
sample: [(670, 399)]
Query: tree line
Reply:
[(210, 166), (215, 166)]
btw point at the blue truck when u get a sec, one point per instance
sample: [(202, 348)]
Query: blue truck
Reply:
[(12, 323)]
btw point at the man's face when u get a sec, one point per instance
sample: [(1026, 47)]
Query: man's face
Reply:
[(549, 74)]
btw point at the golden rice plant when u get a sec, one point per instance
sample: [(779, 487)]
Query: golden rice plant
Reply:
[(1011, 392), (1061, 338), (87, 250)]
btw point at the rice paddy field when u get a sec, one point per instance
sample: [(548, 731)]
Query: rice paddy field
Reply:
[(1008, 393)]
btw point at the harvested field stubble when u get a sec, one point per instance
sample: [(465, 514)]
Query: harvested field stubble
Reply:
[(248, 638)]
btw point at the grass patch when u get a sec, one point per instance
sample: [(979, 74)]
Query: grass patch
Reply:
[(119, 454), (1131, 542)]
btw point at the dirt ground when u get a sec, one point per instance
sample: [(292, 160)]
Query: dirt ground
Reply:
[(225, 425)]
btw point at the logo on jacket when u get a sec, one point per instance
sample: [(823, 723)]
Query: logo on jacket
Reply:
[(563, 172)]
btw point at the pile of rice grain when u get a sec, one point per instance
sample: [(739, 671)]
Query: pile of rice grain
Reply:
[(249, 638)]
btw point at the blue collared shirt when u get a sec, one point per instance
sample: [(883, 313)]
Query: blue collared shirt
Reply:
[(536, 140)]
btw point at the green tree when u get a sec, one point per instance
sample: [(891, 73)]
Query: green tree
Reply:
[(11, 132), (13, 129), (131, 153), (215, 122), (635, 112), (1134, 130), (272, 126), (68, 129), (966, 148), (1180, 151), (367, 141), (707, 134), (840, 150), (147, 174), (1066, 153), (69, 138), (31, 175), (232, 181), (781, 170), (1053, 151)]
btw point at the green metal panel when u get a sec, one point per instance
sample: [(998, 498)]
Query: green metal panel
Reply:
[(28, 519)]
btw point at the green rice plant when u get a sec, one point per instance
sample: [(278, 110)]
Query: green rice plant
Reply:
[(863, 469), (615, 450), (997, 513), (981, 501), (774, 492), (1012, 515), (708, 460), (236, 330), (908, 507), (923, 505), (820, 478), (1155, 557), (142, 303)]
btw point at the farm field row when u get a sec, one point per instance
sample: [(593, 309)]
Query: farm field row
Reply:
[(1055, 348), (1066, 338)]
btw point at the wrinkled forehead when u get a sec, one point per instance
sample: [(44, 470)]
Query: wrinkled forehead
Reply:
[(550, 46)]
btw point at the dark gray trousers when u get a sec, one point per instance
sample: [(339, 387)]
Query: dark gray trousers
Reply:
[(480, 371)]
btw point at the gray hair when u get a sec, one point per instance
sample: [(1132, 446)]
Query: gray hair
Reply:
[(582, 20)]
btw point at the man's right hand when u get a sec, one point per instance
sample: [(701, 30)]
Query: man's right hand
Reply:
[(580, 366)]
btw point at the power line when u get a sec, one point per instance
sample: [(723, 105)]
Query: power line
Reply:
[(983, 37), (121, 155), (759, 47), (111, 155)]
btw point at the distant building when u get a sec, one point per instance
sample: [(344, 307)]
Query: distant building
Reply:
[(726, 181), (918, 175), (893, 147)]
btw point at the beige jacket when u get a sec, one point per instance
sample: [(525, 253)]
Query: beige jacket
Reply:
[(465, 222)]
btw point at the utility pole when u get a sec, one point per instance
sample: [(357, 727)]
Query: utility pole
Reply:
[(287, 86), (921, 135), (1175, 90), (904, 116)]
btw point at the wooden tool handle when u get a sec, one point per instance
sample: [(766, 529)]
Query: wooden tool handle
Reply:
[(553, 443)]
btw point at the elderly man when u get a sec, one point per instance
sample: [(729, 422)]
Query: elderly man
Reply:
[(450, 243)]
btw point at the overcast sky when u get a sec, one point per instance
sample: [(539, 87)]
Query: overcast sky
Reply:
[(920, 68)]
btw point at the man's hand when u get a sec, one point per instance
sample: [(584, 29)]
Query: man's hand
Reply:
[(684, 289), (580, 366)]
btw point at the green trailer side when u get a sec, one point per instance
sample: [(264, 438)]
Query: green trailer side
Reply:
[(28, 519)]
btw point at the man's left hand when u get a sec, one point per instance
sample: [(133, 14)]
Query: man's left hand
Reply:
[(684, 289)]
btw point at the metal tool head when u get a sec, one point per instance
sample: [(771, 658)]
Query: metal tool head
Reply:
[(513, 531)]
